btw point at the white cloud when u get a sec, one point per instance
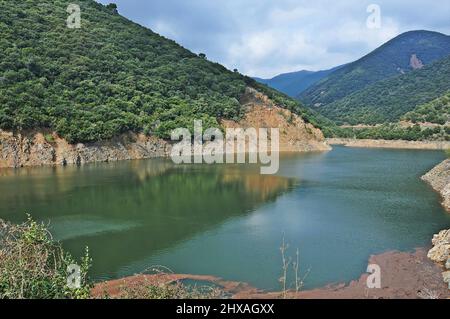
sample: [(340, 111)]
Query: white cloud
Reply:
[(162, 27), (264, 37)]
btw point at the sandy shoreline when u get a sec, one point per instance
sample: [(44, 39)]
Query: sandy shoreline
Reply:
[(395, 144), (403, 276)]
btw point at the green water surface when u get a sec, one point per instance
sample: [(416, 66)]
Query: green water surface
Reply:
[(337, 208)]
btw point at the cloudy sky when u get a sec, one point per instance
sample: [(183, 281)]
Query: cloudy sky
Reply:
[(267, 37)]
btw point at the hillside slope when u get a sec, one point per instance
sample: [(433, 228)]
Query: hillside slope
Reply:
[(44, 147), (403, 54), (109, 77), (436, 111), (295, 83), (389, 100)]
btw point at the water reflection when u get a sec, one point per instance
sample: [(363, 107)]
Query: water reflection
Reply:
[(338, 208), (130, 210)]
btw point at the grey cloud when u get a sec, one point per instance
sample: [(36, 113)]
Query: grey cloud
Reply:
[(267, 37)]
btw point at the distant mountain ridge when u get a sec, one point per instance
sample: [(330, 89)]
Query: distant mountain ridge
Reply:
[(294, 83), (405, 53)]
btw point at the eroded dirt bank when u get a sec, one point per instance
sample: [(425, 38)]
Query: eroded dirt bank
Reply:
[(403, 276), (422, 145)]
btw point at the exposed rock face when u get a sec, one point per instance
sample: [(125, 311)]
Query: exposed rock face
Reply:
[(43, 147), (295, 134), (439, 179), (33, 149), (415, 62), (440, 253), (446, 277)]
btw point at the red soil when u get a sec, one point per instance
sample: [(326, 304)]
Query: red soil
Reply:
[(403, 276)]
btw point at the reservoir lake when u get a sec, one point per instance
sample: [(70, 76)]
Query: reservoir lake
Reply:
[(337, 208)]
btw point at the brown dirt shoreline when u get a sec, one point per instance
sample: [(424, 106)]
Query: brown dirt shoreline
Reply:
[(395, 144), (404, 275)]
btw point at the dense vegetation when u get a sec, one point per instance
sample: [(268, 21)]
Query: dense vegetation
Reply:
[(112, 76), (33, 266), (394, 132), (391, 59), (389, 100), (436, 111), (108, 77)]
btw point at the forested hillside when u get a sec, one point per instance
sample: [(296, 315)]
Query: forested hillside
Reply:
[(436, 111), (108, 77), (403, 54), (389, 100)]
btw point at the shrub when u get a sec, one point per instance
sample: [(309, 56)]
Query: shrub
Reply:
[(34, 266), (49, 138), (175, 290)]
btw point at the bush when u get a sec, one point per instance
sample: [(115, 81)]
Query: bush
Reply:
[(175, 290), (392, 132), (34, 266), (49, 138)]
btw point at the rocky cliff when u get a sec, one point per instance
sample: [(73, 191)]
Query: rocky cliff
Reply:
[(295, 134), (439, 179), (44, 147), (440, 253)]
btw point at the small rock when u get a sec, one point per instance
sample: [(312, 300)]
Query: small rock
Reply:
[(447, 264), (442, 238), (446, 276), (440, 253)]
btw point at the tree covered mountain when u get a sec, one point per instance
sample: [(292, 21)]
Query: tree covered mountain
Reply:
[(108, 77), (295, 83), (401, 55), (389, 100)]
